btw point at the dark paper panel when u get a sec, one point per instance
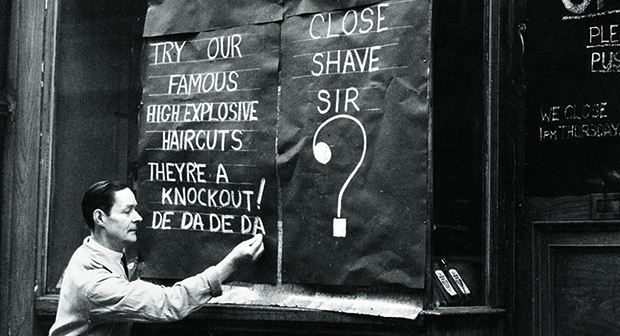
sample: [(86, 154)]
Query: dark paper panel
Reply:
[(298, 7), (167, 17), (352, 140), (207, 175)]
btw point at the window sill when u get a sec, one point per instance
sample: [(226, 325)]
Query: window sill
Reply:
[(46, 306), (464, 310)]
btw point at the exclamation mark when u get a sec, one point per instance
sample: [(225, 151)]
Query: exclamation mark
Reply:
[(260, 192)]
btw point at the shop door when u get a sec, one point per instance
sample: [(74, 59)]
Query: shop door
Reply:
[(571, 168)]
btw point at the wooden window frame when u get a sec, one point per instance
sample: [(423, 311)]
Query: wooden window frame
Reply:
[(31, 73)]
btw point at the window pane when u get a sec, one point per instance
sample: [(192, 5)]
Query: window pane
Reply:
[(97, 95), (458, 135)]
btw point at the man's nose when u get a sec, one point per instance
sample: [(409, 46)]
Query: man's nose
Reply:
[(137, 217)]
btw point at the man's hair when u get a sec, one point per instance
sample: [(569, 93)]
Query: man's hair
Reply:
[(100, 195)]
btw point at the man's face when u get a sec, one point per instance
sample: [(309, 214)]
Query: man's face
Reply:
[(121, 223)]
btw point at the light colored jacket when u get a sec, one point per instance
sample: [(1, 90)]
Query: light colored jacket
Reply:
[(97, 298)]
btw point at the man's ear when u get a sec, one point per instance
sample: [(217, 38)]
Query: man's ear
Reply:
[(99, 217)]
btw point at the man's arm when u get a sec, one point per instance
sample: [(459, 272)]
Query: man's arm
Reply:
[(113, 298)]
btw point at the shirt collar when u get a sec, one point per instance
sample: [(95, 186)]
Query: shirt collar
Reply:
[(89, 241)]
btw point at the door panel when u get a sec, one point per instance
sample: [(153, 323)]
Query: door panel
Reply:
[(571, 166)]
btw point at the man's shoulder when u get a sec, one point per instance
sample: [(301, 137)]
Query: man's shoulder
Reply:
[(85, 260)]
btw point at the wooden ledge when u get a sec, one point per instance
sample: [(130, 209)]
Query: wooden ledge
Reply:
[(464, 310), (46, 306)]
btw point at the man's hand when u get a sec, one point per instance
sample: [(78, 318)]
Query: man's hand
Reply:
[(247, 251), (250, 249)]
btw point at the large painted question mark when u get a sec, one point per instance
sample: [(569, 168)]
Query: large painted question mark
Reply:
[(323, 154)]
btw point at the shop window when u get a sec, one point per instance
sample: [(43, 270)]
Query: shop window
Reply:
[(458, 139), (97, 95)]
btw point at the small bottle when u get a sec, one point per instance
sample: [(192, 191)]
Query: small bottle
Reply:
[(457, 282), (450, 295)]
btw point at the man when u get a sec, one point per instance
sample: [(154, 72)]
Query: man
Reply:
[(97, 298)]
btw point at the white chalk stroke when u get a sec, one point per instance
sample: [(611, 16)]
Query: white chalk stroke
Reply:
[(323, 154)]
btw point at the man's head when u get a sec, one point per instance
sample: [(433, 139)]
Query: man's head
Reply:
[(109, 208)]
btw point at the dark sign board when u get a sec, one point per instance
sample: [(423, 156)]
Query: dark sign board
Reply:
[(207, 149), (352, 142), (572, 51), (318, 140)]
